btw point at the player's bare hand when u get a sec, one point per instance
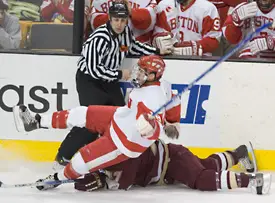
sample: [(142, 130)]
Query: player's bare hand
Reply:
[(126, 74)]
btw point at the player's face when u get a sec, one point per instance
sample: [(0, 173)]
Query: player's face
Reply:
[(118, 24), (2, 15), (184, 2), (265, 4), (141, 76)]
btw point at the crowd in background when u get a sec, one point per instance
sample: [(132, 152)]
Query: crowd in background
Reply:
[(203, 28)]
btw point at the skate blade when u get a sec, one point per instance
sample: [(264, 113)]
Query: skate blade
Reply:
[(251, 151), (19, 125), (267, 183)]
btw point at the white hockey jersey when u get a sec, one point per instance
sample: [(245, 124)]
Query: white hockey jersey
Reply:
[(147, 99), (142, 21), (199, 22), (231, 31)]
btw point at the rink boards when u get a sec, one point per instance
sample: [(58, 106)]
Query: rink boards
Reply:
[(231, 106)]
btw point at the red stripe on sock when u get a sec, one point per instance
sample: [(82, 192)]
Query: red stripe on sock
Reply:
[(70, 173)]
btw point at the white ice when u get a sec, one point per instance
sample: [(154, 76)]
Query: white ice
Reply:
[(23, 172)]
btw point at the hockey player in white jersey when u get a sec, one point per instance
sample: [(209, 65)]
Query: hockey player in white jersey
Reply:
[(192, 26), (247, 17), (142, 18), (126, 131)]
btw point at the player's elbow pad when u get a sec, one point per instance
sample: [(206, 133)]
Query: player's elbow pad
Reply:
[(141, 18)]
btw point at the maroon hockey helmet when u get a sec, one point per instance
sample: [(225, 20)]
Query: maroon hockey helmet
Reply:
[(265, 5)]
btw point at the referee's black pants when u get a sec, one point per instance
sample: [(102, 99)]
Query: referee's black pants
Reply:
[(90, 92)]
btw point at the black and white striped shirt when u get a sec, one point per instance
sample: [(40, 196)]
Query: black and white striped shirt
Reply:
[(104, 51)]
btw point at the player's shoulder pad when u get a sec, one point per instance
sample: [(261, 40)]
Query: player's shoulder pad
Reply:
[(166, 87), (206, 6), (165, 4)]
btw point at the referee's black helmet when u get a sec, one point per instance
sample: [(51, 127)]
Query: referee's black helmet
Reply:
[(119, 10)]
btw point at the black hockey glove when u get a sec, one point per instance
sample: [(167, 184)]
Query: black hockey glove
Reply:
[(90, 182)]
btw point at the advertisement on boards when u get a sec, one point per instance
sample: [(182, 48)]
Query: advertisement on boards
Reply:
[(232, 105)]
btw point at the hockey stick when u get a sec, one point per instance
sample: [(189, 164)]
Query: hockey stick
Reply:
[(35, 184), (225, 57)]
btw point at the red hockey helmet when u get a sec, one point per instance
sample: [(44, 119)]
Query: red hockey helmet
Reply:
[(265, 5), (145, 66), (152, 64)]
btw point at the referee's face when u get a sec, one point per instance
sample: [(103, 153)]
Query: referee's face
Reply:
[(118, 24)]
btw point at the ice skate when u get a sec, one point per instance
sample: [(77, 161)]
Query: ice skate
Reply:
[(48, 179), (260, 183), (244, 159), (24, 120), (59, 163)]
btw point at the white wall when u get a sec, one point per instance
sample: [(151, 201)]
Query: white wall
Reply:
[(239, 108)]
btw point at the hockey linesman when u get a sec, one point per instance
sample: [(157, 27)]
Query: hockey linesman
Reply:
[(98, 75)]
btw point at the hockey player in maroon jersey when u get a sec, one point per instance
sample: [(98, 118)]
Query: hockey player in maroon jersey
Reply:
[(170, 163)]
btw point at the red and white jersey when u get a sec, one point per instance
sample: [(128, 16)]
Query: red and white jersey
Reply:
[(234, 34), (199, 21), (65, 9), (142, 21), (147, 99), (223, 7)]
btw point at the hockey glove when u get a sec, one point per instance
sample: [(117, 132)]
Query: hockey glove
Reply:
[(146, 125), (91, 182), (172, 130), (243, 12), (163, 41), (188, 48), (261, 44)]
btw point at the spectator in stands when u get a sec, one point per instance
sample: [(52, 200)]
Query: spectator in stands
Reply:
[(58, 11), (10, 33)]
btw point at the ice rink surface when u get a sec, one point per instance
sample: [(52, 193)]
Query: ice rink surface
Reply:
[(23, 172)]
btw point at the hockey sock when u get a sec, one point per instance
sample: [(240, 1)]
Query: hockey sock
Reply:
[(231, 180), (210, 180), (59, 119), (76, 168), (56, 120), (225, 160)]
